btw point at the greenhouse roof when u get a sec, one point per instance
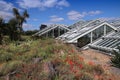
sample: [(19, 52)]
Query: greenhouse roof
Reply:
[(107, 43), (51, 27), (75, 33)]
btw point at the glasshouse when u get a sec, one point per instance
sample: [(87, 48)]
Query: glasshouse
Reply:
[(96, 34), (53, 30)]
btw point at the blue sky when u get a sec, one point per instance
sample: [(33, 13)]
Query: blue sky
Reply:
[(60, 11)]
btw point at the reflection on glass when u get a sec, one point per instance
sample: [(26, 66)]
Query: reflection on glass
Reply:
[(84, 40)]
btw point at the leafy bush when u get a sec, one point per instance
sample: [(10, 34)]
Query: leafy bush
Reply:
[(115, 60), (6, 40), (86, 76), (98, 69), (5, 56), (9, 67), (44, 60)]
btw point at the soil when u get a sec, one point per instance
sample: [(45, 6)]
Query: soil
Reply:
[(102, 59)]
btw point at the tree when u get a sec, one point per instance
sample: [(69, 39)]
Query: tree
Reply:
[(13, 29), (30, 32), (1, 29), (20, 19)]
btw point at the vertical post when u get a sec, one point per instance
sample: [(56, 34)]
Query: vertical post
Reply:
[(91, 37), (104, 30), (46, 34), (64, 30), (53, 33), (58, 31)]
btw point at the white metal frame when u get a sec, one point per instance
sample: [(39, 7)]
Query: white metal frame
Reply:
[(105, 23)]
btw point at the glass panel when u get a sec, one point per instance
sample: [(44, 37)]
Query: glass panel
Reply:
[(108, 29), (116, 44), (83, 40), (50, 33), (56, 32), (62, 31), (107, 42), (111, 43), (102, 42), (99, 32)]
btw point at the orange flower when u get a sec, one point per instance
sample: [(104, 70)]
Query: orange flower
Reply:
[(74, 71), (91, 63), (71, 67), (67, 59), (70, 62), (80, 66), (97, 77), (81, 58), (18, 75), (72, 51), (78, 75)]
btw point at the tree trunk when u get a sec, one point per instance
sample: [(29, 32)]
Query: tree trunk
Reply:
[(1, 38)]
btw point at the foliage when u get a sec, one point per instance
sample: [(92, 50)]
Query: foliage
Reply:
[(20, 18), (14, 26), (9, 67), (46, 59), (30, 32), (13, 30), (1, 29), (86, 76), (5, 56), (115, 60)]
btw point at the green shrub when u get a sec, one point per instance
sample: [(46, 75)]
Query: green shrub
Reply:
[(9, 67), (115, 60), (98, 69), (28, 57), (12, 48), (6, 40), (5, 56), (86, 76), (22, 48)]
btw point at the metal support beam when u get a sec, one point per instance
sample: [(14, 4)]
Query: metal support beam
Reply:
[(104, 30), (58, 31), (46, 34), (64, 31), (91, 37), (53, 33)]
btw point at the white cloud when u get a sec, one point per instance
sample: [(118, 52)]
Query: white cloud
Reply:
[(29, 3), (110, 18), (6, 15), (94, 12), (49, 3), (42, 4), (75, 15), (35, 19), (4, 6), (64, 3), (28, 27), (56, 19), (47, 23), (5, 10)]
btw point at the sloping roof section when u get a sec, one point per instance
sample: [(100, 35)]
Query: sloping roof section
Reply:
[(78, 24), (115, 23), (74, 34), (51, 27), (107, 43)]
